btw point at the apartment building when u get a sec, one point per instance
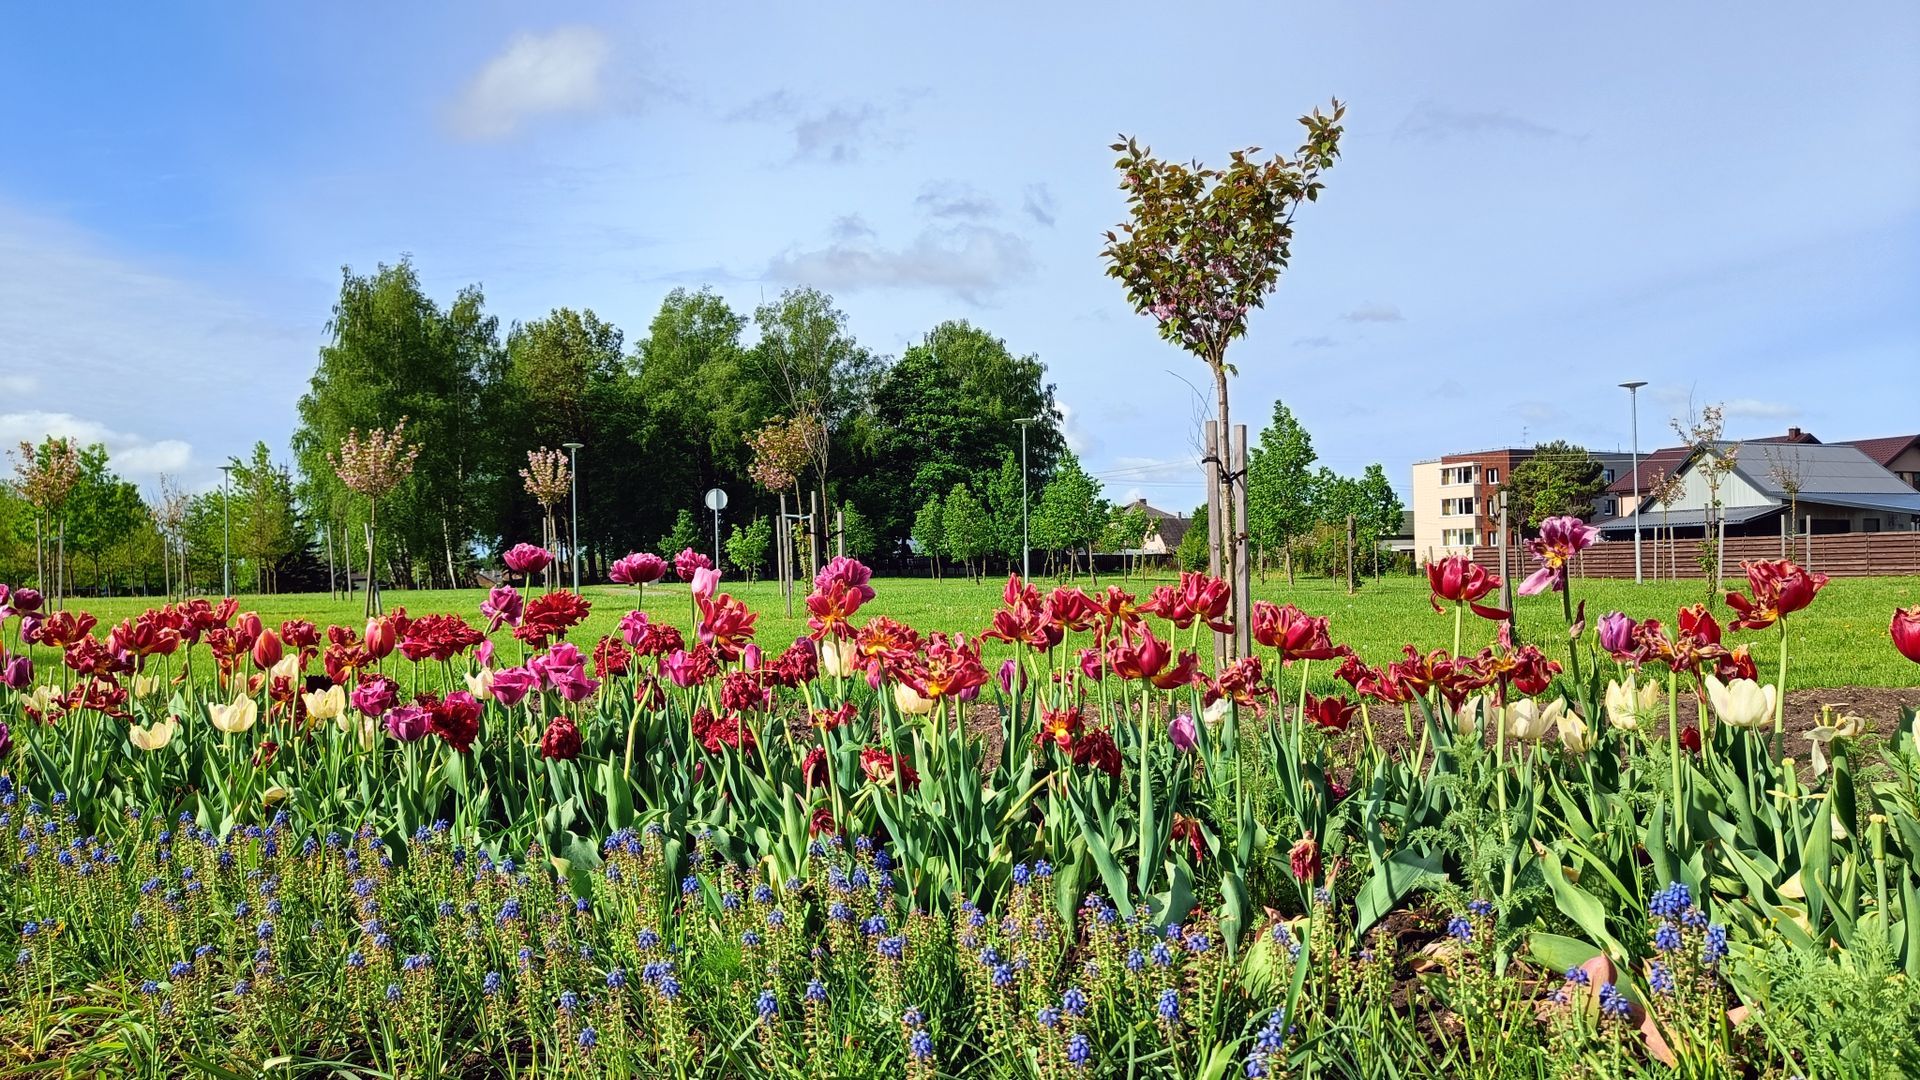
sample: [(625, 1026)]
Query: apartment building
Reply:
[(1456, 498)]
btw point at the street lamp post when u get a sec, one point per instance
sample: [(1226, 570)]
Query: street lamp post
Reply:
[(1633, 394), (573, 525), (226, 546), (1026, 572)]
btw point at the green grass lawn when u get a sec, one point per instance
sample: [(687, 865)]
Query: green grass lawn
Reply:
[(1841, 641)]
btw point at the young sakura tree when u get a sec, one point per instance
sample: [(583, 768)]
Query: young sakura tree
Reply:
[(45, 477), (374, 465), (548, 478), (1205, 247)]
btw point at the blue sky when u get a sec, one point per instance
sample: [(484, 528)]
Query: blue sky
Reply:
[(1533, 203)]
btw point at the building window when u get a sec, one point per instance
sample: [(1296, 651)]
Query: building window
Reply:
[(1871, 524), (1456, 507), (1456, 537), (1606, 475), (1610, 507), (1458, 474), (1493, 476), (1493, 539)]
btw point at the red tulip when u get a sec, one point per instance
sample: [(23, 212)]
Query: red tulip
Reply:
[(1698, 623), (1460, 580), (1296, 634), (1304, 859), (380, 637), (561, 740), (1137, 654), (1906, 632), (1330, 713), (1780, 587), (266, 650)]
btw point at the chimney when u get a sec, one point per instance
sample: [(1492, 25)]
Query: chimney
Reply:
[(1793, 434)]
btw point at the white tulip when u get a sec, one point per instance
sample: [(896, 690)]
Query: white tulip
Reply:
[(837, 656), (1528, 722), (910, 702), (145, 685), (1466, 719), (1741, 703), (1842, 727), (1575, 734), (155, 737), (288, 667), (1628, 703), (234, 717), (1213, 713), (480, 684), (325, 704)]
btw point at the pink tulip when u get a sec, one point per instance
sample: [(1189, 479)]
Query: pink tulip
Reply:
[(637, 569), (1560, 539), (527, 559), (511, 685), (408, 723), (706, 582), (1183, 733)]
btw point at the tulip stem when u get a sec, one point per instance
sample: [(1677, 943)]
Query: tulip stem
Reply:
[(1780, 700), (1673, 752)]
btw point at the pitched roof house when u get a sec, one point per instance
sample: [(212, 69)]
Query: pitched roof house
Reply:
[(1898, 454), (1834, 488), (1164, 530)]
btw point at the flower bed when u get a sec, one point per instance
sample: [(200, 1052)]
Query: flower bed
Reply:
[(685, 852)]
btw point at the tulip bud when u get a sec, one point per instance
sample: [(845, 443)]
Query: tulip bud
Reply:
[(1906, 632), (379, 637), (266, 650), (249, 627), (1183, 733)]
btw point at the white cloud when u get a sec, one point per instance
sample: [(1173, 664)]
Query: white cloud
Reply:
[(949, 200), (972, 262), (133, 456), (1755, 409), (18, 385), (555, 72), (1375, 313)]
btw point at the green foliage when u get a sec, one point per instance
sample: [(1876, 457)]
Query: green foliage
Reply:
[(1192, 554), (859, 536), (1560, 478), (929, 530), (1848, 1014), (101, 514), (684, 534), (944, 415), (1071, 515), (747, 547), (1281, 482), (265, 526), (968, 529), (1006, 504)]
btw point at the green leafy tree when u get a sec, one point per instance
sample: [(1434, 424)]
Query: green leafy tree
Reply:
[(1377, 510), (392, 352), (1005, 505), (969, 528), (1126, 529), (929, 533), (747, 547), (944, 414), (1280, 481), (1192, 553), (266, 528), (101, 511), (858, 532), (1204, 247), (1071, 515), (684, 534), (815, 368), (1560, 478)]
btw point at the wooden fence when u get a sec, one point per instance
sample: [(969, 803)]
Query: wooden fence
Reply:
[(1837, 555)]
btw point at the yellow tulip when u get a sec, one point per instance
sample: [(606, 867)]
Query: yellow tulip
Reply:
[(909, 700), (1741, 703), (325, 704), (480, 684), (45, 698), (154, 737), (234, 717)]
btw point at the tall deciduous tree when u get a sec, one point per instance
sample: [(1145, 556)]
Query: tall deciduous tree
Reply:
[(1204, 247), (701, 394), (969, 529), (393, 352), (101, 511), (1280, 482), (265, 528), (944, 414), (817, 369), (929, 532), (1560, 478)]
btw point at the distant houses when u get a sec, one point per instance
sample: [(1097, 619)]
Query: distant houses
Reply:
[(1164, 530)]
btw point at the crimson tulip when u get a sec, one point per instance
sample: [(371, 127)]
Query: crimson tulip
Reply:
[(1906, 632), (1780, 587), (266, 650), (1460, 580)]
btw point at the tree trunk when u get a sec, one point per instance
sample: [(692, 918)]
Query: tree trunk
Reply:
[(373, 576)]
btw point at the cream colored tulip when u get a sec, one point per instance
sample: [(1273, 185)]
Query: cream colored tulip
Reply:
[(287, 668), (325, 704), (1628, 703), (1215, 712), (910, 702), (1575, 734), (155, 737), (480, 684), (145, 685), (1741, 703), (235, 716), (46, 698), (1834, 727), (1527, 721), (273, 795), (837, 656), (1466, 719)]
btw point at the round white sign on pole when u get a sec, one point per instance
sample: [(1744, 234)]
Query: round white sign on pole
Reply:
[(716, 499)]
